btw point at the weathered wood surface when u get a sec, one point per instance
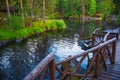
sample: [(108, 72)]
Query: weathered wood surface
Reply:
[(103, 51), (113, 70), (48, 60), (117, 59), (114, 32), (117, 30)]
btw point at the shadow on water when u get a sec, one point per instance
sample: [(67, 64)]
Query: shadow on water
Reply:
[(18, 59)]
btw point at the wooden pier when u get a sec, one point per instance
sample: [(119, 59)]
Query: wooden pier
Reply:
[(103, 65), (113, 70)]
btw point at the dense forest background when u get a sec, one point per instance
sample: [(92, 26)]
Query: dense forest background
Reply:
[(60, 8), (34, 10)]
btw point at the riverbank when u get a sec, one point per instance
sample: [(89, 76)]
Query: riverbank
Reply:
[(37, 27)]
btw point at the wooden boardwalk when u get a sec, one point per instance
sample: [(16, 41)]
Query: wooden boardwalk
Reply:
[(113, 71), (104, 50)]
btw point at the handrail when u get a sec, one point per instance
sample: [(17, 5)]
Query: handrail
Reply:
[(94, 32), (99, 53), (87, 51), (49, 59), (94, 36), (106, 37)]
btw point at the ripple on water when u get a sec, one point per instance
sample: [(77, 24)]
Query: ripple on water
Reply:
[(64, 48)]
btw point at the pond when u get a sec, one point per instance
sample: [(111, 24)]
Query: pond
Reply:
[(18, 59)]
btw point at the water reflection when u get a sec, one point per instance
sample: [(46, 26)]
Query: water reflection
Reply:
[(65, 47), (17, 60)]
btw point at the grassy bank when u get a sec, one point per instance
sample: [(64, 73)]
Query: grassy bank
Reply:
[(37, 27)]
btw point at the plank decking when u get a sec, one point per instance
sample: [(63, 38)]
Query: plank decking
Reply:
[(113, 70)]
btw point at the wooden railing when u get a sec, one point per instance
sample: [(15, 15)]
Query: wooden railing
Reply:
[(41, 68), (101, 53), (99, 37), (69, 69)]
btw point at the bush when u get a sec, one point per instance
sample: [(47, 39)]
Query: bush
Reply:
[(60, 24), (50, 24), (37, 27), (55, 24), (117, 22), (16, 23)]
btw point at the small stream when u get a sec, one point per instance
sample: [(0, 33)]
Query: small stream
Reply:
[(18, 59)]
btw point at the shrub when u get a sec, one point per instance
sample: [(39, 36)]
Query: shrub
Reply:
[(55, 24), (50, 24), (37, 27), (39, 24), (117, 22), (60, 24), (16, 23)]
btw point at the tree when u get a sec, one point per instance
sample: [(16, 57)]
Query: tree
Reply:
[(83, 11), (31, 11), (50, 8), (106, 7), (43, 10), (8, 12), (92, 7), (117, 6), (22, 13)]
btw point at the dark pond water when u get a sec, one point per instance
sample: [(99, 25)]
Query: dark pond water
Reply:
[(18, 59)]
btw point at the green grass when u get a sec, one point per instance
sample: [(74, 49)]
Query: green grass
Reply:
[(37, 27)]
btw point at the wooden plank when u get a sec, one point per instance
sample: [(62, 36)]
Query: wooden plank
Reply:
[(108, 76), (105, 78), (113, 71), (40, 67), (114, 66)]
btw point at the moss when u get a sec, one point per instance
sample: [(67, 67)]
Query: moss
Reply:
[(37, 27)]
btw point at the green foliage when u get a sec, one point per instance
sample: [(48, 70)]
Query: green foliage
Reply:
[(16, 23), (106, 7), (50, 24), (55, 24), (39, 24), (92, 8), (117, 6), (37, 27), (69, 8), (52, 16), (118, 20), (60, 24)]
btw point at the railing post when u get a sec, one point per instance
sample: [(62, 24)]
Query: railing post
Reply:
[(97, 64), (52, 70), (113, 52), (93, 40)]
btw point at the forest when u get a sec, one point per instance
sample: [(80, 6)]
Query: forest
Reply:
[(19, 14), (59, 39)]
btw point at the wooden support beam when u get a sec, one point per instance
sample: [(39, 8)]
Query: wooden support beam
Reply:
[(113, 51), (40, 67), (52, 70)]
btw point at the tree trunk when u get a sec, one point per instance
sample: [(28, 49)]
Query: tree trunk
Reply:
[(83, 17), (83, 11), (43, 10), (22, 13), (31, 12), (8, 12)]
